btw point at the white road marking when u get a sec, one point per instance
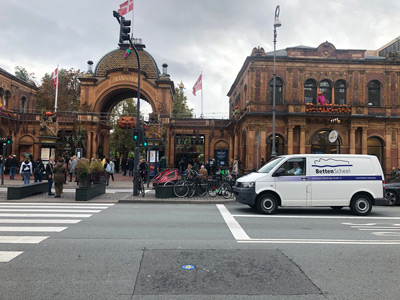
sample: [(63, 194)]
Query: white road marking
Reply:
[(52, 206), (35, 221), (50, 210), (31, 229), (317, 217), (6, 256), (46, 215), (321, 241), (22, 239), (56, 204), (235, 228)]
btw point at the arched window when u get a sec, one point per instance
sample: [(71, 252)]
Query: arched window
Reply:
[(310, 91), (320, 143), (340, 92), (375, 147), (6, 99), (326, 88), (1, 96), (279, 146), (374, 93), (278, 91), (23, 104)]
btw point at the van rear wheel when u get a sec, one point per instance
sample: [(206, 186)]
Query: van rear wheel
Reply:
[(361, 205), (267, 204)]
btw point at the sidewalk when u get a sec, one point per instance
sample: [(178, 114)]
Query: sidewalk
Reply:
[(119, 191)]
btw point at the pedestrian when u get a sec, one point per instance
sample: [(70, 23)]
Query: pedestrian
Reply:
[(12, 164), (50, 173), (112, 168), (143, 169), (1, 164), (124, 164), (181, 166), (116, 165), (262, 161), (203, 171), (131, 165), (72, 166), (38, 169), (26, 170), (59, 177), (235, 168)]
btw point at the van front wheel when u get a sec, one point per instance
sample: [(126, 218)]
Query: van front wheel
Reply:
[(361, 205), (267, 204)]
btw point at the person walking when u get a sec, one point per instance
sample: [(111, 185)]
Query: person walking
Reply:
[(59, 176), (26, 170), (38, 169), (111, 168), (12, 164), (50, 174), (72, 166)]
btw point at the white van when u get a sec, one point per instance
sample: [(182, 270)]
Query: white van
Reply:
[(314, 180)]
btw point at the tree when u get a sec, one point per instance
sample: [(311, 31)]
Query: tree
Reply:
[(69, 91), (22, 73), (180, 108)]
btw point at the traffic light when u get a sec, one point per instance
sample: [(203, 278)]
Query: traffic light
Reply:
[(9, 139), (135, 134), (124, 29), (145, 142), (143, 137)]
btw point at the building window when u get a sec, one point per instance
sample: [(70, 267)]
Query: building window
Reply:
[(278, 91), (340, 92), (279, 146), (310, 91), (1, 96), (320, 143), (326, 88), (375, 147), (23, 104), (6, 99), (374, 93)]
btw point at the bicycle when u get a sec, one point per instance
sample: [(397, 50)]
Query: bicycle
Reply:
[(140, 186), (221, 187), (190, 186)]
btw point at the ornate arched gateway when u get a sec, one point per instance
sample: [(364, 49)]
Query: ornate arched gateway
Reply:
[(116, 78)]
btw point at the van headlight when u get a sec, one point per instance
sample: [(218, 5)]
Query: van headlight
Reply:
[(247, 184)]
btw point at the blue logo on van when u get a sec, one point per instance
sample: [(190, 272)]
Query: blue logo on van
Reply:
[(331, 163)]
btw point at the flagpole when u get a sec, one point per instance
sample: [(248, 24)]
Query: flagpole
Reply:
[(55, 104), (201, 95), (133, 11)]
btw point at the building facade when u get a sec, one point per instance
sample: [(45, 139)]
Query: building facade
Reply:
[(363, 104)]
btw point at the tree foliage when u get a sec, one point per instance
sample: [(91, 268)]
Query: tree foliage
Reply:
[(69, 91), (180, 107), (22, 73)]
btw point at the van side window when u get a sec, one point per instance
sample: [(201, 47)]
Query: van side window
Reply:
[(295, 167)]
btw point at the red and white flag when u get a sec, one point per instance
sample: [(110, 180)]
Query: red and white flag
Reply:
[(54, 77), (197, 85), (125, 7)]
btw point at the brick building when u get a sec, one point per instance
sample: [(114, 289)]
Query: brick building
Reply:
[(362, 89)]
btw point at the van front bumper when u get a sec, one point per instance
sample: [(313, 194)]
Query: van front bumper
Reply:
[(245, 195), (381, 201)]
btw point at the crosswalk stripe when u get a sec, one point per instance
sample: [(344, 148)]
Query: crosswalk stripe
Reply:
[(53, 206), (51, 210), (57, 204), (19, 239), (35, 221), (46, 215), (31, 229), (6, 256)]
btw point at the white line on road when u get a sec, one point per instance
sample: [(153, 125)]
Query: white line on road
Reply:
[(46, 215), (6, 256), (35, 221), (31, 229), (317, 217), (321, 241), (22, 239), (52, 206), (380, 228), (235, 228), (51, 210), (57, 204)]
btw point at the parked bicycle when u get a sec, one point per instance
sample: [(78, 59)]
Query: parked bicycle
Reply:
[(190, 186)]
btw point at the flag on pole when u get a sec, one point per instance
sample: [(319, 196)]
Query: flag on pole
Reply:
[(54, 77), (197, 85), (125, 7)]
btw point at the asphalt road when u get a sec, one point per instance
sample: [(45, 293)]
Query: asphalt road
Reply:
[(195, 251)]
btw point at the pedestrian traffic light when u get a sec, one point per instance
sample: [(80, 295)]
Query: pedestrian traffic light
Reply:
[(9, 139), (135, 134), (124, 29), (145, 142)]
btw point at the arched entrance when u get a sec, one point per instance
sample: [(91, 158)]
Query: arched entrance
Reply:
[(320, 143), (279, 145), (375, 146)]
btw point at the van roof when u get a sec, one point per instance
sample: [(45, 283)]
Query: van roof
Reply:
[(326, 155)]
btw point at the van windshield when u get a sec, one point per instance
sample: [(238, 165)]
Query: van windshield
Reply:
[(270, 165)]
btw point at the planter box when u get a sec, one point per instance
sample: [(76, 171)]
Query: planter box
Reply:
[(165, 191), (87, 193)]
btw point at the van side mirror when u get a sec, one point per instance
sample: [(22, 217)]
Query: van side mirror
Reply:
[(279, 172)]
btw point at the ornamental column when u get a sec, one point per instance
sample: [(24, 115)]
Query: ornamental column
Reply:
[(302, 139), (290, 140), (352, 149), (364, 140), (388, 149)]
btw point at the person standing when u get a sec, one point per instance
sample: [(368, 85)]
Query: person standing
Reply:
[(111, 168), (72, 167), (50, 174), (131, 164), (124, 163), (59, 177), (26, 170), (1, 164), (262, 161), (12, 164), (38, 168)]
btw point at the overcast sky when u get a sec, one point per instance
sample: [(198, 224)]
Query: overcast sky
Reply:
[(212, 36)]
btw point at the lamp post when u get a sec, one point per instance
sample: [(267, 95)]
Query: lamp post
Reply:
[(277, 23)]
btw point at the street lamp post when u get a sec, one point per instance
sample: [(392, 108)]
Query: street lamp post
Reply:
[(277, 23)]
